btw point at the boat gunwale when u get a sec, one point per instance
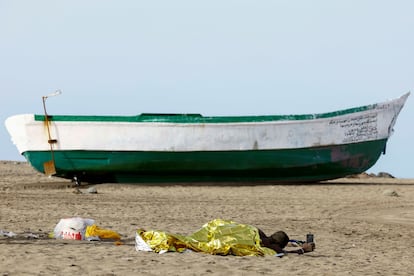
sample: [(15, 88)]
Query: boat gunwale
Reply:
[(198, 118)]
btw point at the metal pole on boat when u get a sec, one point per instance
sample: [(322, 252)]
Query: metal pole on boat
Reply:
[(56, 93), (49, 166)]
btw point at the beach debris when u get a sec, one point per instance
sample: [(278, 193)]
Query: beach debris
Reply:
[(77, 228), (25, 235), (93, 232), (72, 228), (390, 192), (8, 234), (92, 190), (31, 236)]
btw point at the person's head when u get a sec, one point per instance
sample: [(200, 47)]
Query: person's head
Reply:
[(280, 238)]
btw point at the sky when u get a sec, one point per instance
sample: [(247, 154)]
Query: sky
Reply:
[(216, 57)]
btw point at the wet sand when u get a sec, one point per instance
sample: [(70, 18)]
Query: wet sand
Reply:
[(361, 226)]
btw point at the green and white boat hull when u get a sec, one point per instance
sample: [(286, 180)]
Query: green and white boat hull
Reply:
[(190, 147)]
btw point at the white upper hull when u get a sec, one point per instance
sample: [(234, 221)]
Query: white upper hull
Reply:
[(372, 124)]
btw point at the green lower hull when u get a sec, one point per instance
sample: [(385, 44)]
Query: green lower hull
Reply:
[(292, 165)]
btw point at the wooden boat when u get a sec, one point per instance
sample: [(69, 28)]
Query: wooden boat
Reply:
[(191, 147)]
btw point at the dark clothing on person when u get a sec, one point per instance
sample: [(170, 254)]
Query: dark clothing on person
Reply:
[(278, 241)]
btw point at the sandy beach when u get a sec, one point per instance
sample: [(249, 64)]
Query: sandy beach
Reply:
[(361, 226)]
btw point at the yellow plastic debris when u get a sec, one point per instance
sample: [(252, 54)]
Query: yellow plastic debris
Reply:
[(94, 231), (218, 237)]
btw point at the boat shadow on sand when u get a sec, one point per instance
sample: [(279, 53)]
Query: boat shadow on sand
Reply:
[(337, 182)]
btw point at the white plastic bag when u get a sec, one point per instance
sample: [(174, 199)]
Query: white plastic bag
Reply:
[(72, 228)]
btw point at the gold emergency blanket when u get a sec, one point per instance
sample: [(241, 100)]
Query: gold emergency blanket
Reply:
[(218, 237)]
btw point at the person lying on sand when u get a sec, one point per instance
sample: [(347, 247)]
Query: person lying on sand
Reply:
[(279, 240), (219, 237)]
